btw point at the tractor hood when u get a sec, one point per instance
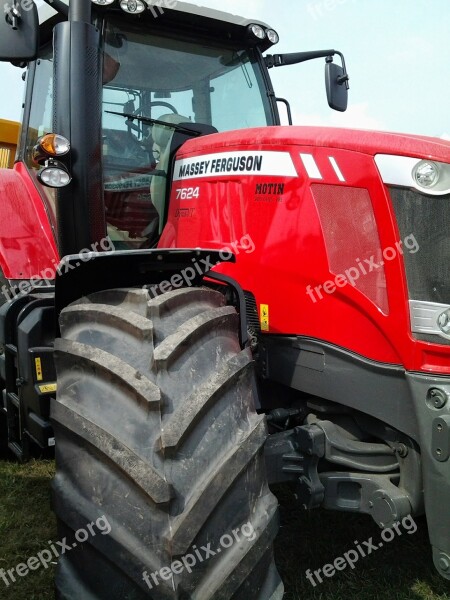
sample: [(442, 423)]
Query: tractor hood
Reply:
[(357, 140), (323, 199)]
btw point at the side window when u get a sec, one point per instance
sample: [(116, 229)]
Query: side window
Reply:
[(41, 122), (236, 92), (41, 113)]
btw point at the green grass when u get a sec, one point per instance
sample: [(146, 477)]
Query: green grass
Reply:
[(26, 526), (401, 570)]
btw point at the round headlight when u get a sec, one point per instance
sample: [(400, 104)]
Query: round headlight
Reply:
[(444, 322), (426, 173), (257, 31), (132, 6), (102, 2), (272, 36), (54, 175)]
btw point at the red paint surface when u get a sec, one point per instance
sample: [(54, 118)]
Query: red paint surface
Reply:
[(27, 244), (289, 243)]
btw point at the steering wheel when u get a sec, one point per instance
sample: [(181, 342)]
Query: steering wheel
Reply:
[(165, 104), (127, 147)]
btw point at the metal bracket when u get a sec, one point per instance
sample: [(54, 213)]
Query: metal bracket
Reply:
[(368, 493), (340, 449), (440, 440), (294, 456)]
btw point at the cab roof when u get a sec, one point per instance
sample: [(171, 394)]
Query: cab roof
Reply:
[(184, 16), (46, 12)]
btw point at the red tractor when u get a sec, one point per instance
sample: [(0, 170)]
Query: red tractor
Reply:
[(237, 303)]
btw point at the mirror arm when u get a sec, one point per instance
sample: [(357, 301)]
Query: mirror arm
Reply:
[(293, 58), (344, 78)]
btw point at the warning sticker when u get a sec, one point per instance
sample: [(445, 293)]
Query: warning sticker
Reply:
[(37, 362), (47, 387), (264, 316)]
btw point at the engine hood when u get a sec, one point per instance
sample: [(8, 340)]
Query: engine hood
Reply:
[(357, 140)]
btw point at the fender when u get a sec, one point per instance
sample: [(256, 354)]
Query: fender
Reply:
[(27, 243)]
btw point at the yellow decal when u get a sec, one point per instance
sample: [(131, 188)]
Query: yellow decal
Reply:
[(264, 316), (37, 362), (47, 387)]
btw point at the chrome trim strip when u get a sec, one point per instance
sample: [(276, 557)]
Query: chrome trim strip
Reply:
[(424, 317)]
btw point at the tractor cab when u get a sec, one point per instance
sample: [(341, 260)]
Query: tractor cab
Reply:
[(192, 66), (153, 72), (151, 78)]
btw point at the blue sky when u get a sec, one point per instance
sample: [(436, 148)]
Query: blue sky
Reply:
[(397, 53)]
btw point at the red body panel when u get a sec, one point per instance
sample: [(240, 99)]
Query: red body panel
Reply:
[(278, 235), (27, 244)]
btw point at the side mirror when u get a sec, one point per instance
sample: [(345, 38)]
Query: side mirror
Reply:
[(336, 82), (19, 30)]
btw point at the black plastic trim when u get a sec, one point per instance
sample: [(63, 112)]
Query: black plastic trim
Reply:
[(24, 336), (333, 373), (77, 116), (243, 329), (82, 275)]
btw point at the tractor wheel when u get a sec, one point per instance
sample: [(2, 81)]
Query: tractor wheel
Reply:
[(160, 488)]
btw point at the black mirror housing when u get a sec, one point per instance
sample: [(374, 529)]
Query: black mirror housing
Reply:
[(19, 30), (336, 82)]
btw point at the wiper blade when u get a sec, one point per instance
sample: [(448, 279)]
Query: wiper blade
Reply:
[(175, 126)]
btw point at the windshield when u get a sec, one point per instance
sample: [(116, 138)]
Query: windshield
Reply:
[(174, 81)]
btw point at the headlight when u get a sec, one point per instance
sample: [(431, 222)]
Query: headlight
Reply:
[(272, 36), (102, 2), (426, 176), (426, 173), (257, 31), (132, 6), (444, 322), (54, 174)]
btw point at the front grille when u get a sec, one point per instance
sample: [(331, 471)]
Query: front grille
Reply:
[(252, 313), (424, 224)]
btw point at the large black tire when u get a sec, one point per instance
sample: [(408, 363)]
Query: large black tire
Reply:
[(156, 431)]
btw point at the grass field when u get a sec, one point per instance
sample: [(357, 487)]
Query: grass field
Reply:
[(401, 570), (26, 526)]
